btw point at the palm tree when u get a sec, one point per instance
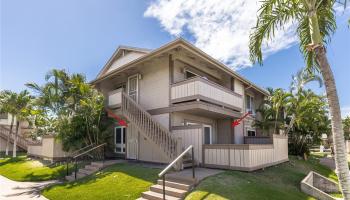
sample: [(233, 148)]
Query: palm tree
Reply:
[(265, 121), (7, 104), (279, 100), (315, 20), (298, 82), (346, 124), (22, 112)]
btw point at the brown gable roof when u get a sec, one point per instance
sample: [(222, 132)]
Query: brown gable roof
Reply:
[(185, 44)]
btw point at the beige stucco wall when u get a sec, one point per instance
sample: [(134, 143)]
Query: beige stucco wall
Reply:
[(140, 148), (163, 119), (154, 85), (49, 149)]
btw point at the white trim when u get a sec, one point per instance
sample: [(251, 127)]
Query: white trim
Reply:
[(250, 129), (137, 86), (251, 103), (123, 145)]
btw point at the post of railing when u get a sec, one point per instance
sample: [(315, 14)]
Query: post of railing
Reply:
[(104, 151), (75, 169), (67, 171), (164, 186), (193, 173)]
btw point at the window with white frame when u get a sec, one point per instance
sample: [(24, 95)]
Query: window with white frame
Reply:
[(250, 104)]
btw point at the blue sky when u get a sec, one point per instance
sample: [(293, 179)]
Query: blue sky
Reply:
[(81, 35)]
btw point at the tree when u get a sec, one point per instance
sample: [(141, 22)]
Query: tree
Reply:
[(266, 119), (22, 112), (279, 100), (346, 125), (71, 109), (7, 105), (298, 82), (315, 20), (310, 114)]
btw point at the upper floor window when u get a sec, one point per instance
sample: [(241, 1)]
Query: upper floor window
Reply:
[(232, 84), (250, 104)]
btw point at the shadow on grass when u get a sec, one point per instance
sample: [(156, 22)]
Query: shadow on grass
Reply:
[(23, 168), (136, 171), (276, 182)]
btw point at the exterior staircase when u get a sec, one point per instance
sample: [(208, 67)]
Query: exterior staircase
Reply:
[(22, 142), (154, 131), (92, 168), (176, 188)]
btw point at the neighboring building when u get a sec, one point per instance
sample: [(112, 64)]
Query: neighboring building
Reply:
[(5, 123), (176, 96)]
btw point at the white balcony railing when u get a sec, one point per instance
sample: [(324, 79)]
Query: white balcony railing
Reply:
[(115, 98), (199, 88)]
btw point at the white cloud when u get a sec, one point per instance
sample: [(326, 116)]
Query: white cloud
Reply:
[(219, 27), (345, 111)]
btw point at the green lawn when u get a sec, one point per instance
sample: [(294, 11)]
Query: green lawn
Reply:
[(120, 181), (26, 169), (274, 183)]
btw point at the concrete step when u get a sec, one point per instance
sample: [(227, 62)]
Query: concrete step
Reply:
[(181, 186), (97, 164), (150, 195), (86, 171), (70, 178), (188, 164), (181, 179), (92, 168), (168, 191)]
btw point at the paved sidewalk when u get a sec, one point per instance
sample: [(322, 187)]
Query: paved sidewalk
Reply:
[(13, 190)]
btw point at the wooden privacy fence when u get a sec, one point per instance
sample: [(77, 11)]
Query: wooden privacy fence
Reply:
[(246, 157), (257, 140)]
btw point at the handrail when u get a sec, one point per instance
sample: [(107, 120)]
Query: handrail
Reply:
[(85, 152), (89, 150), (21, 140), (148, 115), (174, 161), (75, 152), (155, 131), (177, 159)]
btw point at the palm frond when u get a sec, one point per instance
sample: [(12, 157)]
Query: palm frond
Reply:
[(273, 14)]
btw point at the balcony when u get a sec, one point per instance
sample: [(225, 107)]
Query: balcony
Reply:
[(199, 89), (115, 98)]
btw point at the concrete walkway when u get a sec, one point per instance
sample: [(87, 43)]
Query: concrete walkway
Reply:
[(13, 190), (200, 173)]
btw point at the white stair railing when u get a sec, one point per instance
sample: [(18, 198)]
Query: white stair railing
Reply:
[(153, 130)]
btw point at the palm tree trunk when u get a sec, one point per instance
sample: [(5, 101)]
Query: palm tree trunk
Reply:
[(14, 152), (9, 136), (337, 129), (340, 154), (291, 124)]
